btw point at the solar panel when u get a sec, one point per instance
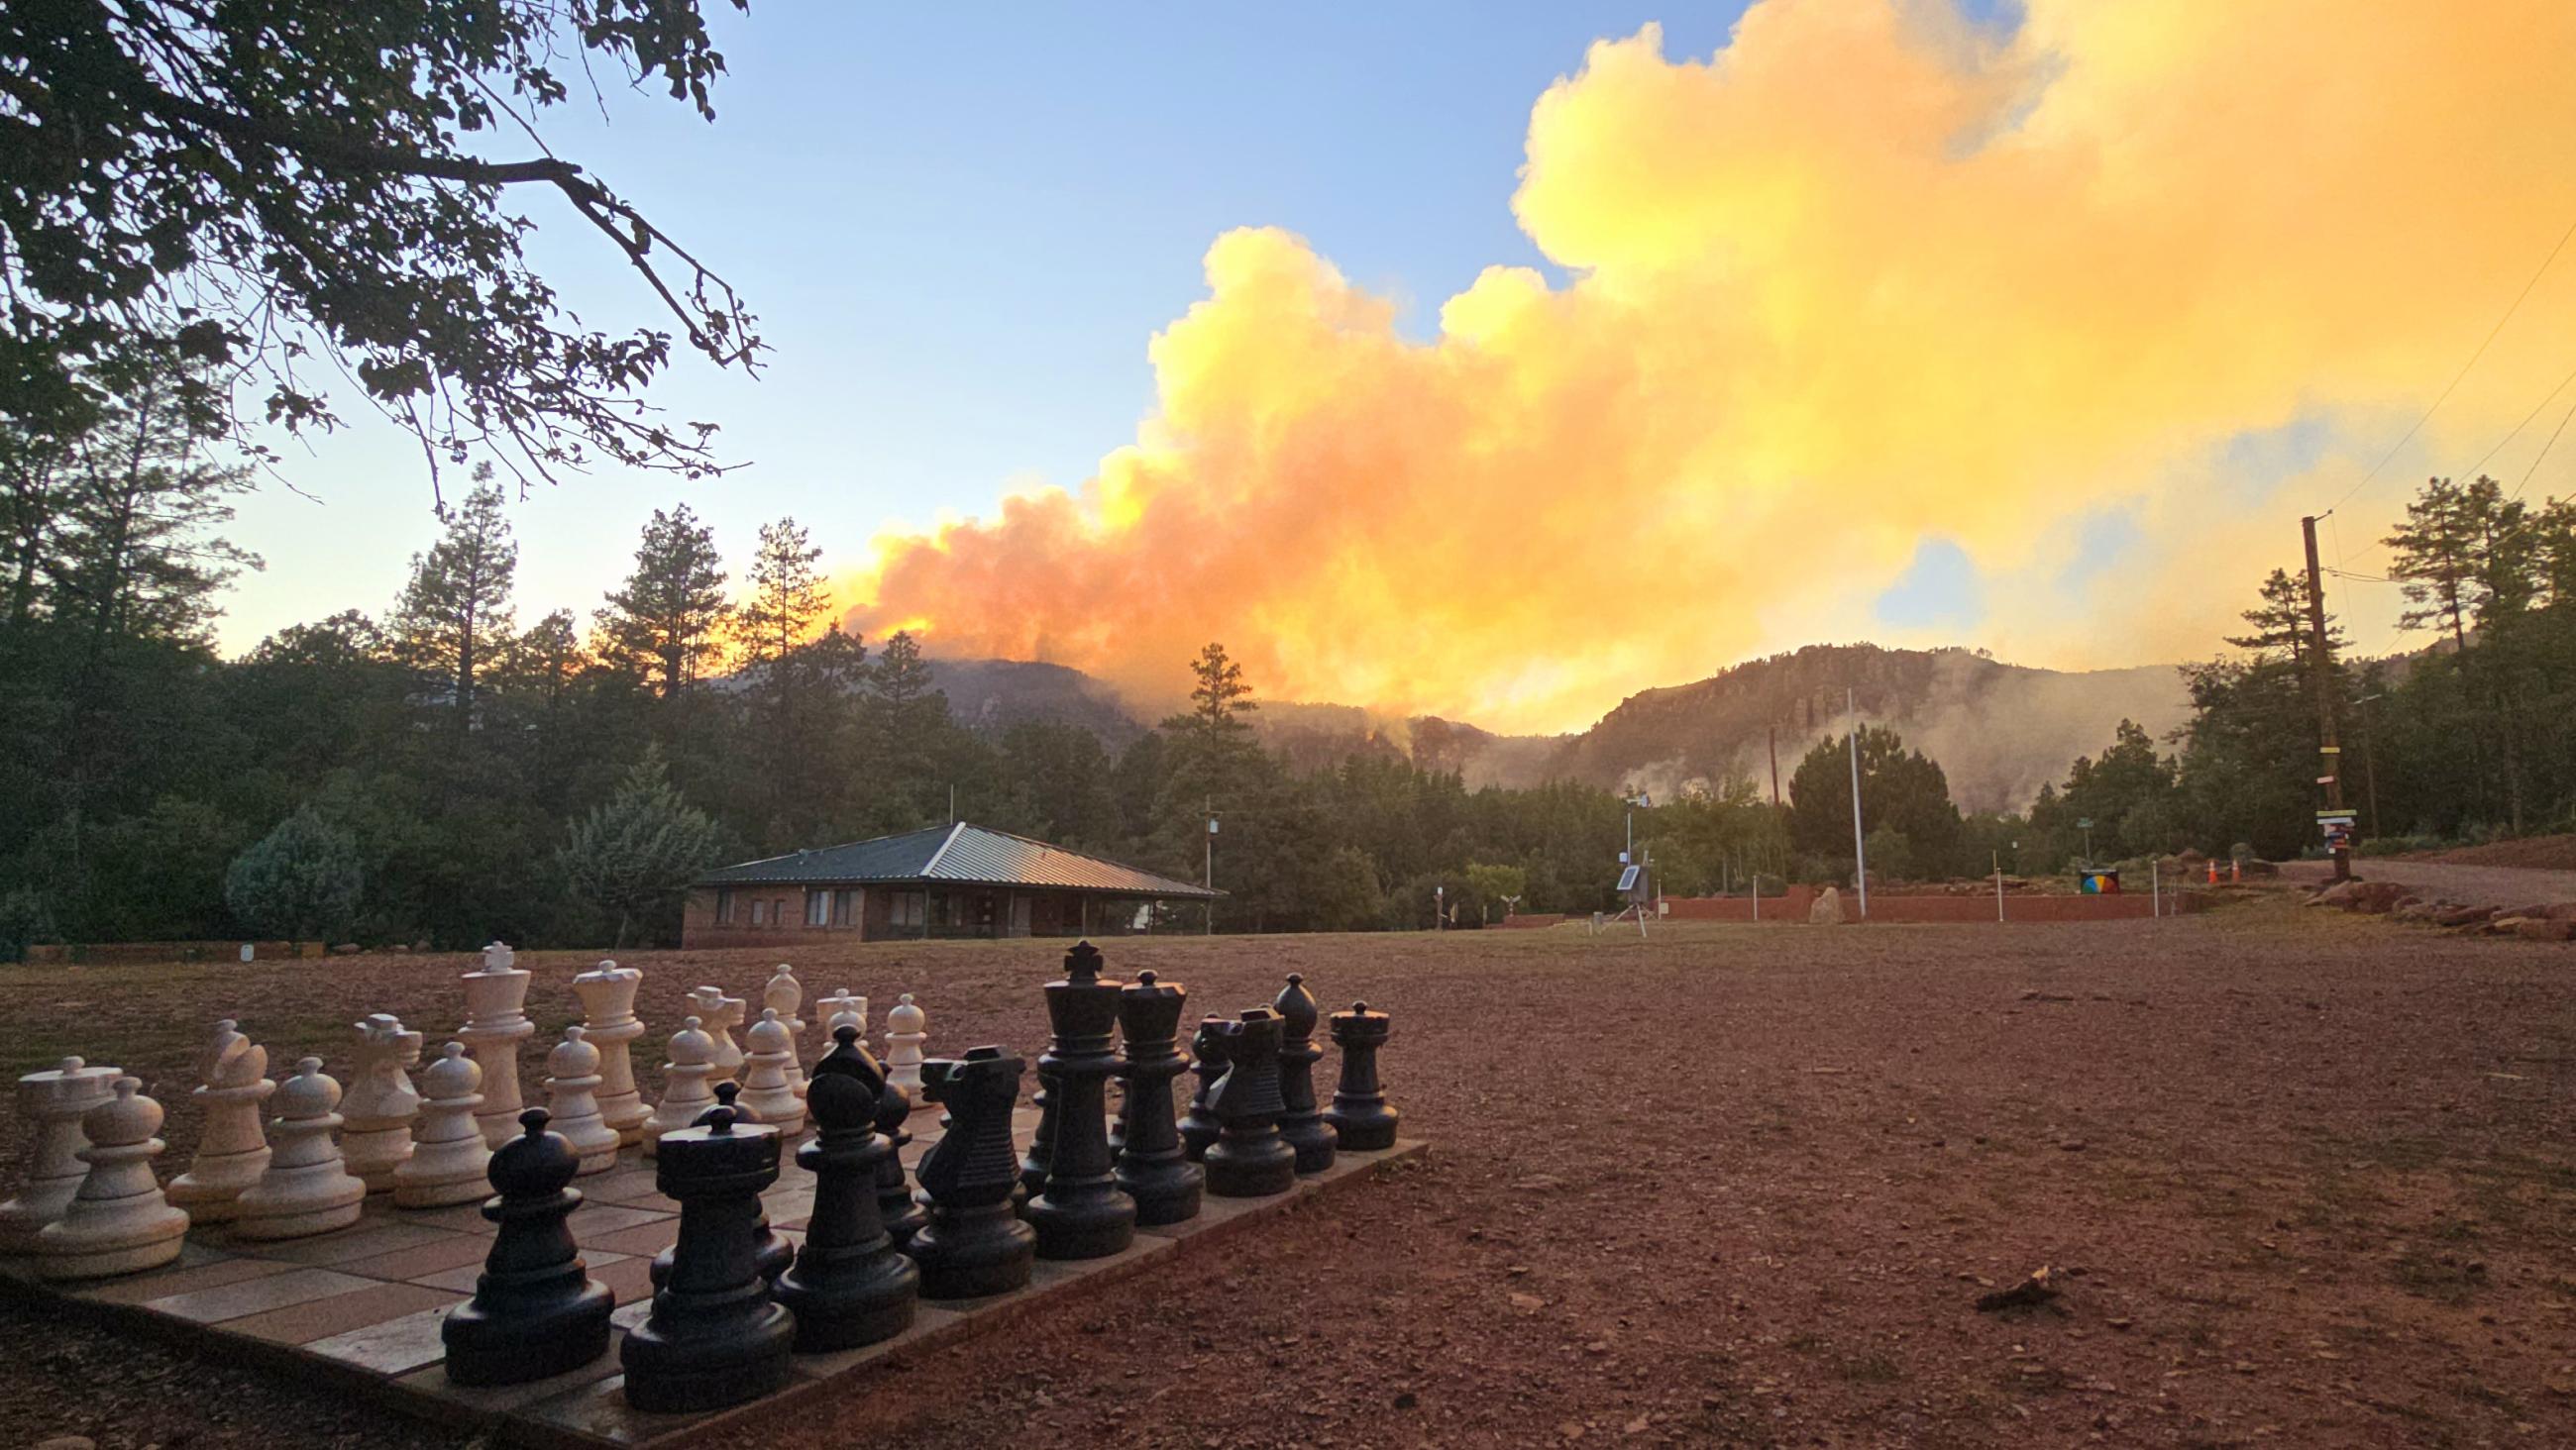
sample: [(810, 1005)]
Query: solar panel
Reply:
[(1628, 877)]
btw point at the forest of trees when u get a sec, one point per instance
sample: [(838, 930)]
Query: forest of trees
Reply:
[(447, 771)]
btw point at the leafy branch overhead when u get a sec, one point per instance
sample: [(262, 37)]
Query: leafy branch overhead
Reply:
[(300, 188)]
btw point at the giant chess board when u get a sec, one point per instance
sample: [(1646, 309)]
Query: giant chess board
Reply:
[(362, 1305)]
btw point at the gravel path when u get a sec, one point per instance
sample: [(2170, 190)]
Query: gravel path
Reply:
[(2469, 885), (2304, 1177)]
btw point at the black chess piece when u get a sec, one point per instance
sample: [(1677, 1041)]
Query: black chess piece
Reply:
[(849, 1286), (536, 1311), (1150, 1164), (1360, 1113), (1199, 1127), (1300, 1126), (774, 1252), (715, 1336), (902, 1217), (1081, 1213), (1033, 1164), (973, 1245), (1249, 1159)]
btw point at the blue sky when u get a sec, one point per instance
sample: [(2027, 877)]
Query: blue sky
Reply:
[(960, 232)]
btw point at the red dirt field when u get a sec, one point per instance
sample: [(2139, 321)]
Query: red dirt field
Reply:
[(2304, 1178)]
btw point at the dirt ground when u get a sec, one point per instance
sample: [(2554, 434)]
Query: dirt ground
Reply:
[(2305, 1178), (2548, 853)]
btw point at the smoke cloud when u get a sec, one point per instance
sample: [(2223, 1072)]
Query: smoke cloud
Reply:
[(1871, 275)]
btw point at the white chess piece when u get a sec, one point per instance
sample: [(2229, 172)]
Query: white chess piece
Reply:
[(786, 996), (607, 995), (496, 1022), (719, 1015), (232, 1148), (381, 1102), (307, 1189), (904, 1036), (766, 1093), (118, 1223), (572, 1102), (54, 1099), (450, 1162), (841, 1007), (685, 1092)]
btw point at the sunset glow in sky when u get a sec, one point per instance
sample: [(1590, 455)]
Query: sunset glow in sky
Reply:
[(2035, 330)]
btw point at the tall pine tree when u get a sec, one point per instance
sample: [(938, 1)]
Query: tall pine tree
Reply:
[(454, 620), (665, 625)]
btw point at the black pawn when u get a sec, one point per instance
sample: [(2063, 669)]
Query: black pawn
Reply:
[(1151, 1166), (848, 1287), (774, 1252), (1359, 1111), (715, 1336), (1300, 1125), (973, 1245), (1081, 1213), (902, 1217), (1249, 1159), (1199, 1127), (536, 1311)]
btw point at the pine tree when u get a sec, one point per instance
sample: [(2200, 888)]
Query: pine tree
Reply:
[(2281, 623), (641, 848), (301, 881), (788, 596), (2434, 558), (454, 620), (665, 625), (799, 683), (1219, 699)]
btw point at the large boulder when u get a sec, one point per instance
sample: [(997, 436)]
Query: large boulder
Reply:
[(2463, 915), (1828, 910), (2542, 928)]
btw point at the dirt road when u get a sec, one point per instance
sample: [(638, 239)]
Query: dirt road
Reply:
[(2471, 885)]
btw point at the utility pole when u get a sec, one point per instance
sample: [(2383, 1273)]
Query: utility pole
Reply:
[(1207, 860), (2321, 671), (1860, 854), (1773, 731), (2369, 764)]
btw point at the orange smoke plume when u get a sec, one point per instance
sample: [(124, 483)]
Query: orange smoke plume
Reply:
[(1871, 275)]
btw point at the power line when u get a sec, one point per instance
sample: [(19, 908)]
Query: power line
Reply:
[(2516, 495), (2456, 378)]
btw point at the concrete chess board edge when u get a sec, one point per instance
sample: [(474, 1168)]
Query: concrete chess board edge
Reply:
[(582, 1408)]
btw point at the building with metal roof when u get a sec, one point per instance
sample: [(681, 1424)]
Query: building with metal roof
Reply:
[(957, 880)]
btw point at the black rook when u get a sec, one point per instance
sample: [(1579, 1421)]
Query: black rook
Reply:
[(715, 1337), (1359, 1111)]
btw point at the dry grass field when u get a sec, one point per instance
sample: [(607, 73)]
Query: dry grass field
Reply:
[(2304, 1178)]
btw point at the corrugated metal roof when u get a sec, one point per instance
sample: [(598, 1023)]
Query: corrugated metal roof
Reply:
[(964, 853)]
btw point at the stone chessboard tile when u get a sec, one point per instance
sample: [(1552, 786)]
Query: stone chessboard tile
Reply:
[(365, 1303)]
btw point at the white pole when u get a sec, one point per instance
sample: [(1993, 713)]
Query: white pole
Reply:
[(1999, 883), (1757, 898), (2155, 887), (1860, 856)]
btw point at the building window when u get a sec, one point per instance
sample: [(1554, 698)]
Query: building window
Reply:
[(759, 912), (778, 911), (844, 905), (818, 907), (724, 906), (904, 908)]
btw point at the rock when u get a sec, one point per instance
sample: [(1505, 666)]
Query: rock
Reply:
[(2563, 911), (2461, 915), (2033, 1291), (2415, 911), (2540, 928), (1828, 910)]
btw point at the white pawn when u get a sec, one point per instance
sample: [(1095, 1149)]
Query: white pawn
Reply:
[(450, 1162), (841, 1008), (607, 995), (720, 1015), (572, 1102), (786, 996), (381, 1102), (306, 1190), (685, 1092), (766, 1093), (55, 1099), (496, 1022), (904, 1036), (232, 1149), (118, 1222)]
